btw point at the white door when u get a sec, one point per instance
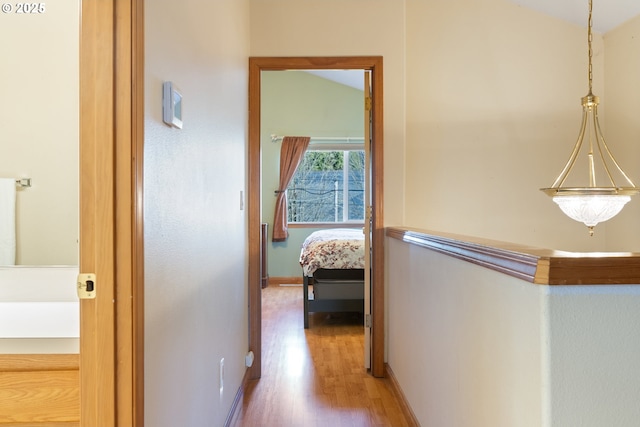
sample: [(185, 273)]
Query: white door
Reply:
[(367, 219)]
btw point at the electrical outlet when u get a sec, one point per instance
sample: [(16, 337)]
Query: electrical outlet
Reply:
[(221, 375)]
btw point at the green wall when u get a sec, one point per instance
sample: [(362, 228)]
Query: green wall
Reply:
[(297, 103)]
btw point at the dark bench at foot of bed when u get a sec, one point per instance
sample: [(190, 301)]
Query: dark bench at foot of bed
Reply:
[(333, 291)]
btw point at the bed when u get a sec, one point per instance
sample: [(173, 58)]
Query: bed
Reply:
[(332, 263)]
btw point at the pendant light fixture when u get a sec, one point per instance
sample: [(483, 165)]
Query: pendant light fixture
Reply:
[(594, 203)]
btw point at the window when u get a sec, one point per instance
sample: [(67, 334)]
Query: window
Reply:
[(328, 186)]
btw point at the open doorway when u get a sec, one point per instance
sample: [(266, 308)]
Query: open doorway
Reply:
[(256, 67)]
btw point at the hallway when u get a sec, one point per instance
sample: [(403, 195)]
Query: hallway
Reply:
[(314, 377)]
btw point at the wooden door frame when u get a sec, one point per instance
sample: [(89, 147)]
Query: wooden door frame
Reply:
[(256, 65), (111, 143)]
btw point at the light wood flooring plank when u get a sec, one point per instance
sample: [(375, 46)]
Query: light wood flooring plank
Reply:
[(314, 377)]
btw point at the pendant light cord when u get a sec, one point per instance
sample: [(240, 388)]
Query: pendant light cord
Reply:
[(589, 40)]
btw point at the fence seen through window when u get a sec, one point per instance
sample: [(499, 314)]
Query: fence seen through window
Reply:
[(328, 186)]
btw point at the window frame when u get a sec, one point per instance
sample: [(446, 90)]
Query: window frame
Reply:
[(333, 146)]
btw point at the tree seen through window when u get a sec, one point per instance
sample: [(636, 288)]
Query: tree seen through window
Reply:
[(324, 183)]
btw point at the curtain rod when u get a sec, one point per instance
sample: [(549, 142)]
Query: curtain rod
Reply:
[(276, 138)]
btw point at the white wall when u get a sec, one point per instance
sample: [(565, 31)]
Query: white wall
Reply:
[(346, 28), (465, 343), (471, 347), (493, 112), (594, 349), (622, 67), (195, 232), (39, 129)]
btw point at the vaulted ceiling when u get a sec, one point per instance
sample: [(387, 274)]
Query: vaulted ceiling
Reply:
[(607, 14)]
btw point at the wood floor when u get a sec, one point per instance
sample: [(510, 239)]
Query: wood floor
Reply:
[(314, 377)]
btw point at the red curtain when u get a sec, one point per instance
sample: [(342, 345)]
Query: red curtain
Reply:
[(291, 153)]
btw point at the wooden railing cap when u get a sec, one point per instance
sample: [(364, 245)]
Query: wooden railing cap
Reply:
[(536, 265)]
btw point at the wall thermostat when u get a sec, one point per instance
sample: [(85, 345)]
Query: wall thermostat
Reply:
[(171, 105)]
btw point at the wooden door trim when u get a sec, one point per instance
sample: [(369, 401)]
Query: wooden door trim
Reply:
[(256, 65), (111, 137), (97, 350), (137, 212), (129, 113)]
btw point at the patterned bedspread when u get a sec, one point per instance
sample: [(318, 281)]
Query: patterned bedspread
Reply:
[(337, 248)]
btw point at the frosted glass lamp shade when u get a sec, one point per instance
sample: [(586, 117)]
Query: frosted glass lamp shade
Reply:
[(591, 209), (592, 202)]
